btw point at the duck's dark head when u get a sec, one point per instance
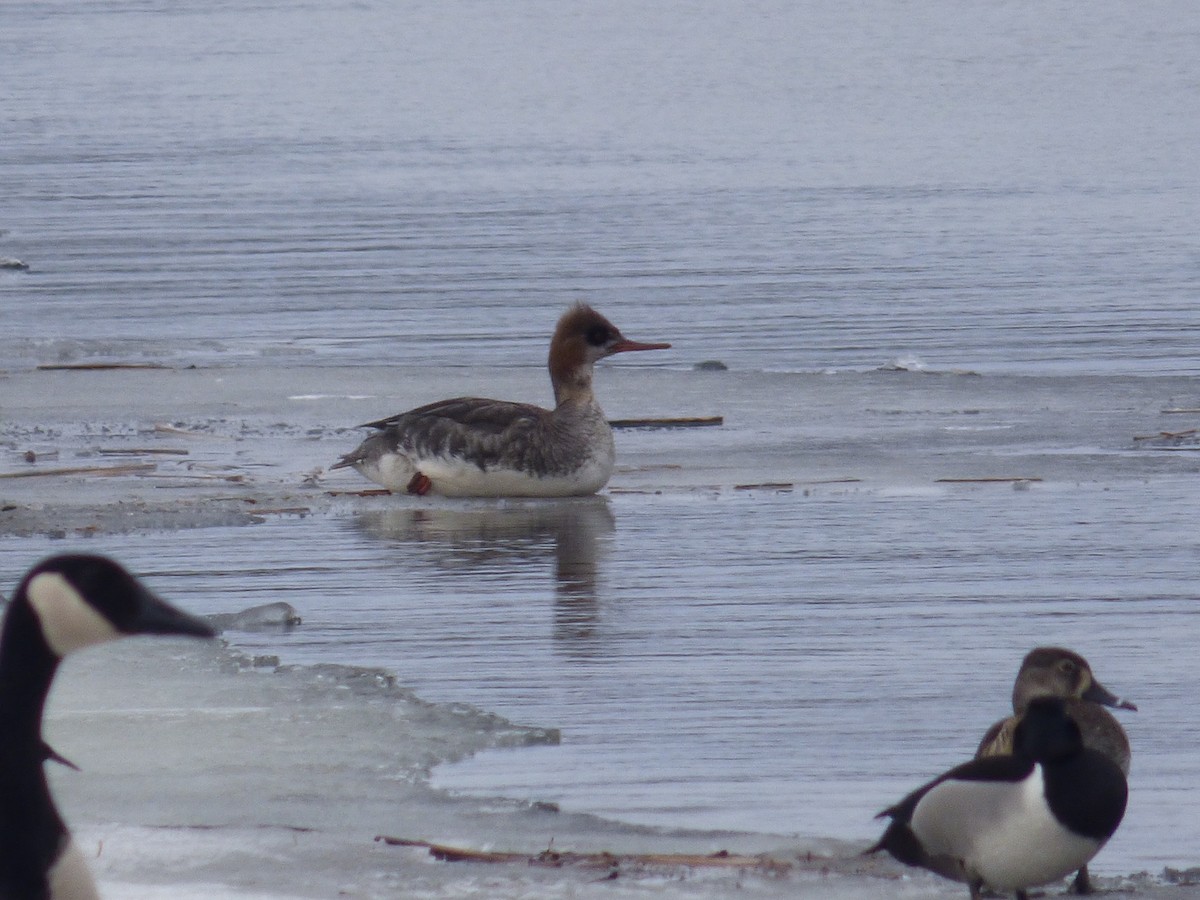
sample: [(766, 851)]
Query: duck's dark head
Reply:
[(1058, 672)]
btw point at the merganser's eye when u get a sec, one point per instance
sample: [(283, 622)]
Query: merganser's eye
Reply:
[(599, 335)]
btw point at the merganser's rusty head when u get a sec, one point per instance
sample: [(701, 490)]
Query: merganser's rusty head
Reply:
[(583, 337)]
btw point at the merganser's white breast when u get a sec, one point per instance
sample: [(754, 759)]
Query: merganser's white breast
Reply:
[(474, 447)]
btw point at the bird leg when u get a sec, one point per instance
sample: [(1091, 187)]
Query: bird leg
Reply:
[(1082, 883), (419, 484)]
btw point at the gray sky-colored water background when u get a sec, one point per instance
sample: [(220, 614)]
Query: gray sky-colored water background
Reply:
[(946, 253)]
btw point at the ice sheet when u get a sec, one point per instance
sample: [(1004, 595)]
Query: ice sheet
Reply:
[(847, 465)]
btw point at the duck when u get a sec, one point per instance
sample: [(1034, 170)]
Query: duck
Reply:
[(63, 604), (1009, 823), (1058, 672), (474, 447)]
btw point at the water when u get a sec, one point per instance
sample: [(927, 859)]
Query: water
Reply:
[(785, 677), (1006, 188), (339, 210), (779, 658)]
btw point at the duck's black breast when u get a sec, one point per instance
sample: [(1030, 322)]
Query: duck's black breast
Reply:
[(1100, 729), (1087, 794)]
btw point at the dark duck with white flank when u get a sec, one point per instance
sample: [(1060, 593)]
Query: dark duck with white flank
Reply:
[(1057, 672), (472, 447), (1010, 823), (63, 604)]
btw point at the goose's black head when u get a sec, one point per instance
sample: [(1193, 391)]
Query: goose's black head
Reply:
[(79, 599)]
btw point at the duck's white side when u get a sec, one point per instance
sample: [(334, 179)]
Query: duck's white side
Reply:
[(1004, 832), (452, 476)]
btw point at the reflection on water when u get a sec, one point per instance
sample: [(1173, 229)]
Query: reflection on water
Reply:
[(513, 536)]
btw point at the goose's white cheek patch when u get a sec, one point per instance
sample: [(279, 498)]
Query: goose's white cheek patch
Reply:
[(68, 621)]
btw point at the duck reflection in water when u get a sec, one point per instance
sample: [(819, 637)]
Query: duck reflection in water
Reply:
[(516, 535)]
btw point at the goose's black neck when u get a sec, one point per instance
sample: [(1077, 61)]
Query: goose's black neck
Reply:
[(32, 833), (27, 666)]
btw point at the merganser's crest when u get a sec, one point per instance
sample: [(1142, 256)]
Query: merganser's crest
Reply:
[(469, 446)]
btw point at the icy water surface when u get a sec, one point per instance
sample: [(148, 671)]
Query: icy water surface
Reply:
[(765, 662), (778, 625), (315, 214)]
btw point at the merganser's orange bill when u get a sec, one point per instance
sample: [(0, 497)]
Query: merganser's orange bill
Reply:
[(624, 345)]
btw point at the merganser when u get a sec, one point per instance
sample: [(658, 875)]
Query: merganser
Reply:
[(1056, 672), (470, 447), (1013, 822), (63, 604)]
